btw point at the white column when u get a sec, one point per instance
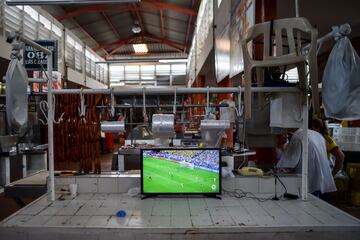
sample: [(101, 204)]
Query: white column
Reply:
[(50, 129), (297, 8), (304, 173), (24, 165), (7, 170), (121, 163)]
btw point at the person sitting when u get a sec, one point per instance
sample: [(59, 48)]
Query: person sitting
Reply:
[(331, 147), (320, 180)]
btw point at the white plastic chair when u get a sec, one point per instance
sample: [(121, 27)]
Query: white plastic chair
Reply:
[(284, 30)]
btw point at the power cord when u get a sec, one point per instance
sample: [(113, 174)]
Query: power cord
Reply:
[(286, 195), (239, 193), (281, 182)]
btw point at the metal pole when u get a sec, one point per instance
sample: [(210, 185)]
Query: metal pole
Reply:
[(50, 129), (297, 8), (35, 45), (108, 75), (304, 173), (50, 113), (164, 106), (171, 90)]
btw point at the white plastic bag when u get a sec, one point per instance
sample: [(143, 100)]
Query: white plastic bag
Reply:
[(16, 96), (341, 80)]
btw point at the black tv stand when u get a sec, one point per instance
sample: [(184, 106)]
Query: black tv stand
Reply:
[(147, 196), (181, 196), (212, 196)]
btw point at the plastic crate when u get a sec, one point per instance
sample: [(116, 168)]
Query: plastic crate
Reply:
[(353, 170), (350, 131)]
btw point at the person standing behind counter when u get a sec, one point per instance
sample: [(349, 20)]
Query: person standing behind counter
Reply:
[(319, 173), (331, 147)]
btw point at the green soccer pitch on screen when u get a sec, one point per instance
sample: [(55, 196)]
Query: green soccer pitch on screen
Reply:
[(181, 171)]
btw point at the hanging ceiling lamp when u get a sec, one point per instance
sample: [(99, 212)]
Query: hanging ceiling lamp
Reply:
[(136, 28)]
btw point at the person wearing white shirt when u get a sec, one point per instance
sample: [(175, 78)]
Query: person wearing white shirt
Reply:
[(320, 180)]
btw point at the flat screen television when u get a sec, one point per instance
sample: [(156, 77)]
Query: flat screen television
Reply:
[(183, 171)]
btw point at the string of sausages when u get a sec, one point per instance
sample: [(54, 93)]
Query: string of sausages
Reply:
[(77, 138)]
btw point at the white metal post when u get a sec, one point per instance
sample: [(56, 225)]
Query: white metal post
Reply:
[(50, 112), (297, 8), (7, 170), (24, 165), (50, 129), (108, 75), (304, 173)]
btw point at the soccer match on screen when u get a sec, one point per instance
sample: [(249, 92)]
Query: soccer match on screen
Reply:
[(181, 171)]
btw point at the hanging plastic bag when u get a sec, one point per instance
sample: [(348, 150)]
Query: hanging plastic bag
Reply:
[(341, 80), (16, 94)]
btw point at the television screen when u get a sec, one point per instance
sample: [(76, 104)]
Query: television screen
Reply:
[(181, 171)]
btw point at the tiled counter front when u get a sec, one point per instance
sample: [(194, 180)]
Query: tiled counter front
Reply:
[(121, 183)]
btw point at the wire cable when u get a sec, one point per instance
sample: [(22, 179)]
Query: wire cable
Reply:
[(239, 193), (281, 182)]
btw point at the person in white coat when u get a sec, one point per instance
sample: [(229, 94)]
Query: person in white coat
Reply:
[(320, 180)]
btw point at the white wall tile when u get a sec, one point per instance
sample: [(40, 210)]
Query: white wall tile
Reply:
[(108, 185), (293, 184), (247, 184), (124, 184), (267, 185), (87, 185), (228, 184), (63, 182)]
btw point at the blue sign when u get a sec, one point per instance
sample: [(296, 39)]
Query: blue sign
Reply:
[(36, 60)]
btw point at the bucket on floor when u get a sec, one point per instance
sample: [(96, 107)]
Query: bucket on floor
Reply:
[(355, 198), (353, 170), (355, 184)]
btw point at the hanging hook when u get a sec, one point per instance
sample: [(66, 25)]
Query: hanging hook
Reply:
[(144, 105), (240, 109), (112, 102), (44, 106), (207, 102), (82, 109)]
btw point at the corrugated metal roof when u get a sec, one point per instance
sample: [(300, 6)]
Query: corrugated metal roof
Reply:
[(152, 47), (100, 27), (149, 56)]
